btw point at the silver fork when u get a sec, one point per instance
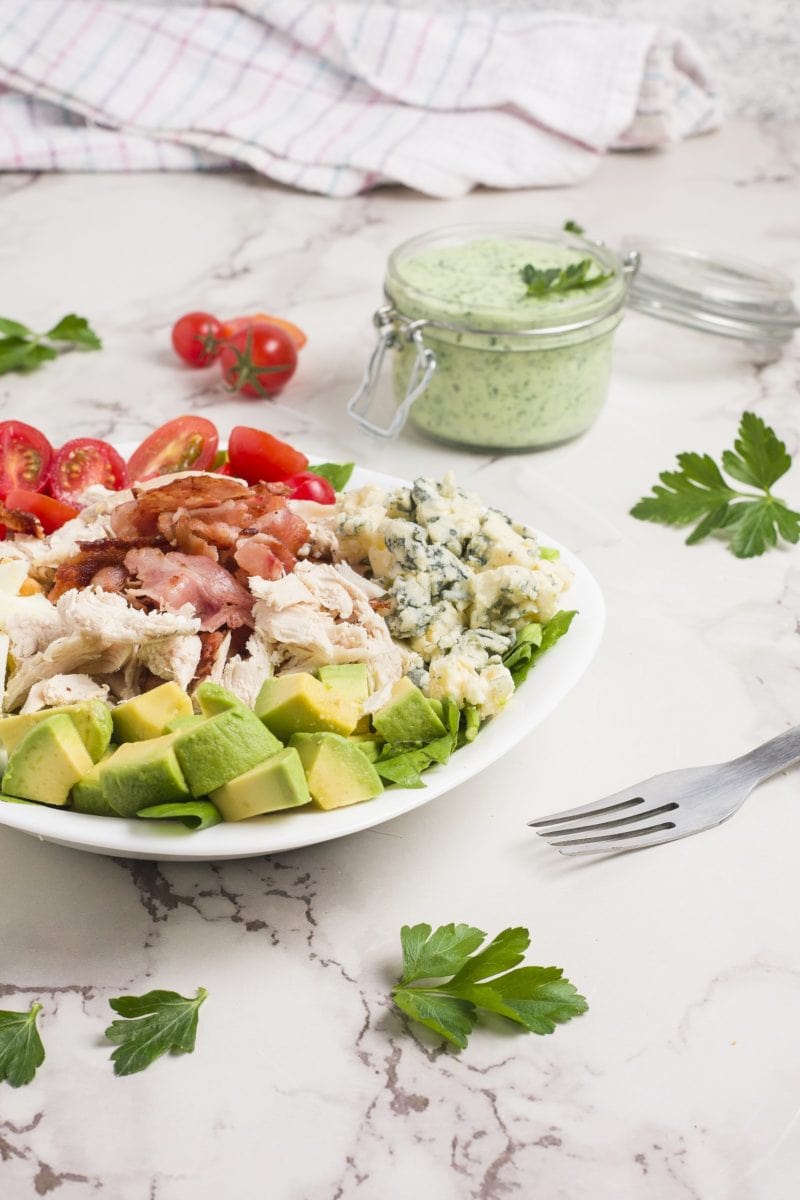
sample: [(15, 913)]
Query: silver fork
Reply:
[(670, 806)]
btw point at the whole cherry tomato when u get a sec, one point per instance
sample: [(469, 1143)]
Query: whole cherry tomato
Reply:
[(306, 485), (195, 338), (258, 360)]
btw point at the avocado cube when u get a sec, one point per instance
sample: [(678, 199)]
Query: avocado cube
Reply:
[(47, 763), (277, 783), (139, 774), (91, 718), (407, 716), (368, 743), (350, 680), (214, 699), (221, 748), (183, 723), (299, 703), (147, 716), (88, 795), (337, 772)]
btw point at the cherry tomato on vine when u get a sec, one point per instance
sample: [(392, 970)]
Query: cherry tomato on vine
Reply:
[(306, 485), (25, 457), (52, 514), (195, 338), (258, 360), (256, 456), (237, 324), (182, 444), (82, 462)]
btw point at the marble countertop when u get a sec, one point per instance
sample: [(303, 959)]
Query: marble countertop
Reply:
[(681, 1080)]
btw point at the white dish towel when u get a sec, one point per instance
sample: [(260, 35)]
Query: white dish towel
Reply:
[(338, 97)]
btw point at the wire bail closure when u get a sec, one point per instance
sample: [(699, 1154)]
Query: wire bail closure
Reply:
[(393, 328)]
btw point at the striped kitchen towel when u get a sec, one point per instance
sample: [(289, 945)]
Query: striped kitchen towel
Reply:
[(338, 97)]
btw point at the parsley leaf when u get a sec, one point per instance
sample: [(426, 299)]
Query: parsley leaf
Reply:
[(75, 330), (698, 492), (573, 227), (545, 281), (154, 1023), (23, 350), (538, 998), (21, 1049), (337, 474)]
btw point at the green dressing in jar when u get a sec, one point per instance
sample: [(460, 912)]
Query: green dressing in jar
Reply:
[(513, 370)]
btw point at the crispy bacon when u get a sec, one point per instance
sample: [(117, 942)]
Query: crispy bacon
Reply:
[(19, 521), (256, 555), (82, 569), (174, 579), (211, 643)]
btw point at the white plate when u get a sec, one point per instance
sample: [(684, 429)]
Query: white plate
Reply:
[(545, 688)]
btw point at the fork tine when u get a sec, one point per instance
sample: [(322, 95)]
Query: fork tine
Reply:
[(638, 839), (637, 818), (627, 798)]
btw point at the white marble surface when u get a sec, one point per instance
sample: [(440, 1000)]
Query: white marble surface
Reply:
[(681, 1081)]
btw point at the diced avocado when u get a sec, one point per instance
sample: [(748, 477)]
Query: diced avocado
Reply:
[(221, 748), (299, 703), (408, 716), (139, 774), (214, 699), (350, 680), (91, 718), (87, 794), (146, 716), (276, 783), (48, 762), (183, 723), (338, 773), (368, 743)]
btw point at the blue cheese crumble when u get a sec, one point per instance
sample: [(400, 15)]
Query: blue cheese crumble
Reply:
[(460, 578)]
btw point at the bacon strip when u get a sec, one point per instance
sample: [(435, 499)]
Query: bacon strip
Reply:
[(82, 569), (175, 579), (19, 521)]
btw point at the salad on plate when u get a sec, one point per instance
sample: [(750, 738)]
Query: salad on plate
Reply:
[(214, 635)]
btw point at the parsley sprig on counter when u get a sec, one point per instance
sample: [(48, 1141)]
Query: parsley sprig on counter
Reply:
[(549, 281), (21, 349), (153, 1024), (538, 998), (21, 1049), (698, 492)]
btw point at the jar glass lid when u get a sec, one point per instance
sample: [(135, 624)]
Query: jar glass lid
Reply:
[(728, 296)]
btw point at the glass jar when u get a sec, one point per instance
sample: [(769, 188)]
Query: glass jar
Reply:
[(482, 361)]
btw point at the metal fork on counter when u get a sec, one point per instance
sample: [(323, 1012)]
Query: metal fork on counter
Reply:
[(670, 806)]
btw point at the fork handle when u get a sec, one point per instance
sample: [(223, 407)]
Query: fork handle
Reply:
[(772, 756)]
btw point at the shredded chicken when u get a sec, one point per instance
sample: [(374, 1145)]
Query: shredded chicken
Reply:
[(63, 689), (244, 676), (175, 658), (92, 631), (322, 614)]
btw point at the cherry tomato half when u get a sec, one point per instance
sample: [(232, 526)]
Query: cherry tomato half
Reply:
[(190, 338), (257, 456), (51, 513), (82, 462), (183, 444), (25, 457), (306, 485), (258, 360), (236, 324)]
